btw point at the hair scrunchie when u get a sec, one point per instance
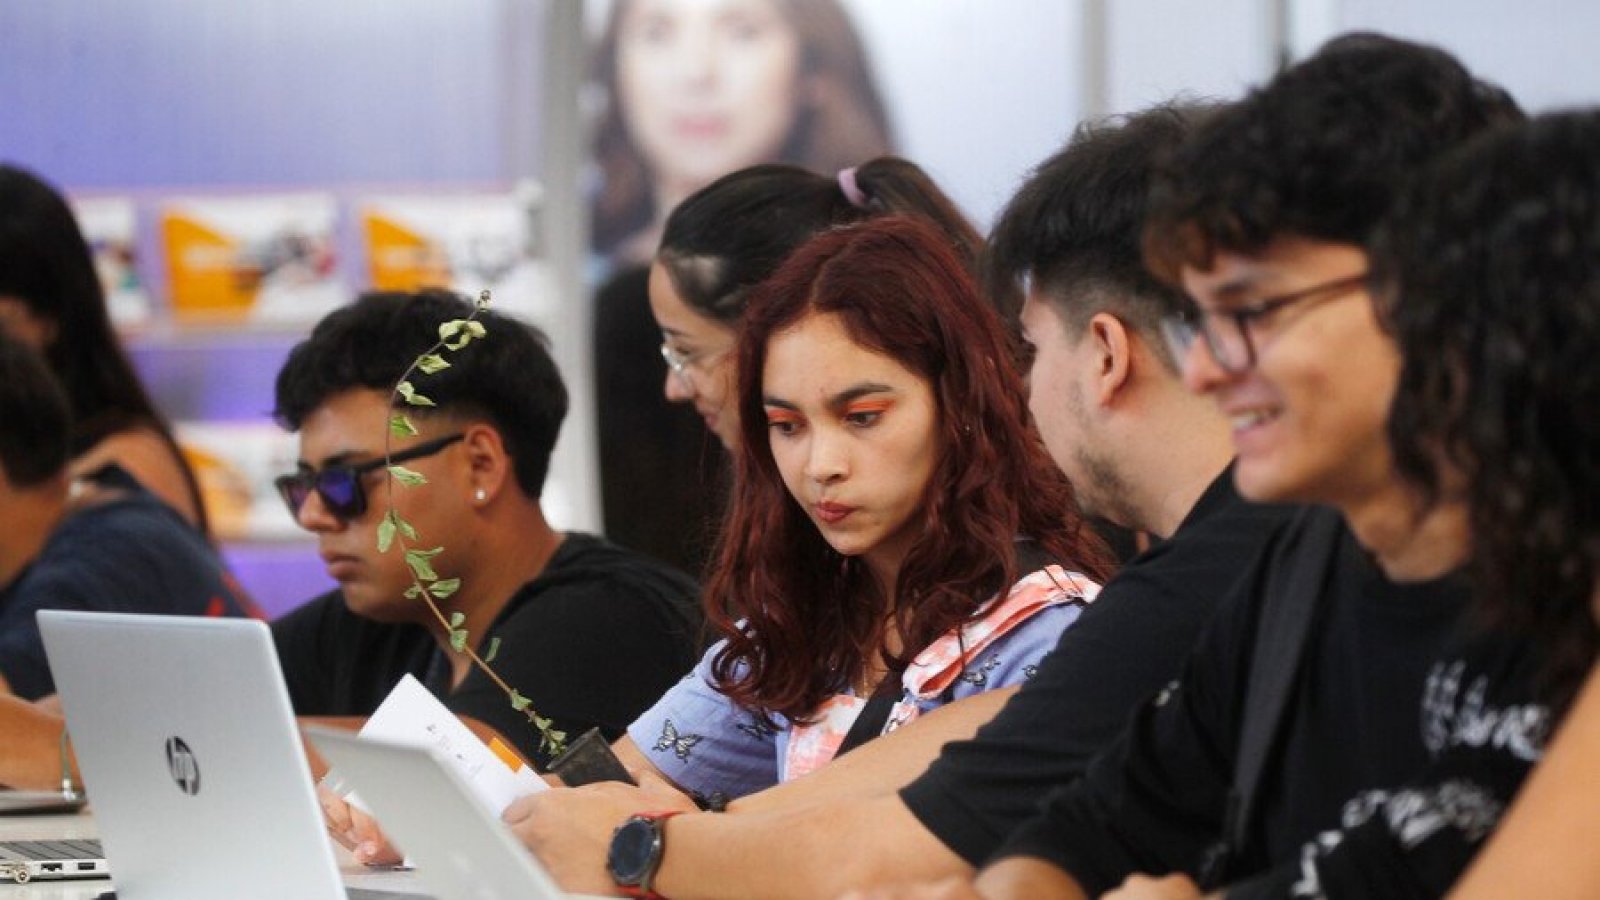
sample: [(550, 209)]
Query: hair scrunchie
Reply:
[(851, 190)]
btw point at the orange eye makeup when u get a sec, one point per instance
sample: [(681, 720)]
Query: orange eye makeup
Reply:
[(783, 417), (867, 406)]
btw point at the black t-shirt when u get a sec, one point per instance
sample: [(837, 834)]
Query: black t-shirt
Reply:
[(1129, 643), (128, 552), (595, 639), (1155, 800)]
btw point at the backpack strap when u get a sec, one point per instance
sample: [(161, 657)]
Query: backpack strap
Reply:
[(1294, 585), (1031, 557), (873, 716)]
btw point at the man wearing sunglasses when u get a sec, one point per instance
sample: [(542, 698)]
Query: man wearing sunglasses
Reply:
[(1336, 732), (592, 634)]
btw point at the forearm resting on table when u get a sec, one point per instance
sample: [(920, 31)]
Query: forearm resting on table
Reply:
[(817, 850), (842, 826), (886, 764)]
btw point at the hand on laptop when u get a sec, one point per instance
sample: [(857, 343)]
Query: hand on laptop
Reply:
[(569, 829), (356, 831)]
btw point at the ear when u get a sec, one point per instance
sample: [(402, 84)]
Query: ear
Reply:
[(1112, 356), (489, 465)]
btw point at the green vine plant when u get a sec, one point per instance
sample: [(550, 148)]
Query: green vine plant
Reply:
[(426, 585)]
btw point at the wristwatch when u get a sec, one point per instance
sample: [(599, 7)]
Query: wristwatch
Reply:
[(636, 850)]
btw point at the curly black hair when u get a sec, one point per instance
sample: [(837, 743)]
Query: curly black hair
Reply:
[(1317, 152), (1488, 275), (507, 377)]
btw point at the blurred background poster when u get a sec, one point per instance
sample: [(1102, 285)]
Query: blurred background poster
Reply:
[(684, 91)]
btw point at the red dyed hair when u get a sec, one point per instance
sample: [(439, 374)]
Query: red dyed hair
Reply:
[(803, 621)]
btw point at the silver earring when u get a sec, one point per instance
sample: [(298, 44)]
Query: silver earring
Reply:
[(481, 495)]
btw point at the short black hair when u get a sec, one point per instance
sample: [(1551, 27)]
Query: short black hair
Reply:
[(732, 234), (35, 417), (506, 377), (1488, 276), (1073, 231), (1318, 152)]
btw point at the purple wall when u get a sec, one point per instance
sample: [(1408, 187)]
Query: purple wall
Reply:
[(177, 95)]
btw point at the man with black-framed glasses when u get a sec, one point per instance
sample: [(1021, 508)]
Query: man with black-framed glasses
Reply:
[(1228, 332), (592, 634)]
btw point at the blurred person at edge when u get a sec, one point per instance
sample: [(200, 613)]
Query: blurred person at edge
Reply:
[(52, 300)]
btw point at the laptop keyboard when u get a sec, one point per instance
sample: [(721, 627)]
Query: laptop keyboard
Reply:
[(36, 851)]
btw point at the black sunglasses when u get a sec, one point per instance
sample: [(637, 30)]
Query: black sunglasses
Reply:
[(339, 485)]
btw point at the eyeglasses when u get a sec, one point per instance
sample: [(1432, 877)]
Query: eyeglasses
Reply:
[(1228, 332), (339, 485), (680, 362)]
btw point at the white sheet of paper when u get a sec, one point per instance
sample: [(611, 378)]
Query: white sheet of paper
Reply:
[(412, 715)]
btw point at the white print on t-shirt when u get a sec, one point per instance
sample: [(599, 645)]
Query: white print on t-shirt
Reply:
[(1453, 718), (1412, 816)]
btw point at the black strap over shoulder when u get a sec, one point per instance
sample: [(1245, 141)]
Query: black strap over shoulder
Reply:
[(1298, 575), (1031, 556), (869, 724)]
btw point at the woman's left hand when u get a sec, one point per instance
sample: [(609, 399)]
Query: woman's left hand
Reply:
[(569, 829)]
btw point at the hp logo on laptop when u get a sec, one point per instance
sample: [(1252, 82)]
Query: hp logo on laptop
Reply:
[(181, 763)]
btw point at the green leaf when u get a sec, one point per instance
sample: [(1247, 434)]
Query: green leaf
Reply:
[(391, 524), (414, 592), (458, 640), (462, 330), (494, 649), (519, 702), (430, 363), (400, 426), (404, 389), (407, 477), (421, 563), (456, 618), (445, 589)]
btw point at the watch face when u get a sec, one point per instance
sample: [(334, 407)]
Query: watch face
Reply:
[(633, 850)]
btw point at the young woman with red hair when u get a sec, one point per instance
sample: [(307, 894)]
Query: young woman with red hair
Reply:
[(896, 530)]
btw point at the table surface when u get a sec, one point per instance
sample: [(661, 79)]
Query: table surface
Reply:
[(82, 825)]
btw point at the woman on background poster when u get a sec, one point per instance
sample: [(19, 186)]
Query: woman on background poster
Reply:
[(694, 89)]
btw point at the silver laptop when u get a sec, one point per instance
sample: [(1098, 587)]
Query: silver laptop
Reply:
[(462, 850), (48, 855), (191, 757)]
